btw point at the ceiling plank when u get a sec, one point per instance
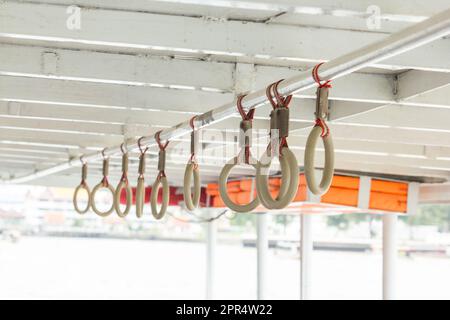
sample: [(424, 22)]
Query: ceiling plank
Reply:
[(132, 70), (47, 23), (253, 9), (109, 67)]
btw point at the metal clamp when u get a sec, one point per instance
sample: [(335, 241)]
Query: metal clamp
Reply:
[(322, 104), (162, 161), (283, 121), (141, 169), (245, 133)]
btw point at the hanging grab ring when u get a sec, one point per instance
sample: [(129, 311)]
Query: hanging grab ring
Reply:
[(161, 181), (279, 131), (320, 130), (123, 185), (192, 200), (104, 183), (140, 187), (245, 155), (82, 186)]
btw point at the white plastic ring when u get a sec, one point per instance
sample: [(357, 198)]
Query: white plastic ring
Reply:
[(75, 199), (94, 206), (129, 198), (289, 181), (161, 182), (191, 199), (140, 197), (223, 187), (328, 170)]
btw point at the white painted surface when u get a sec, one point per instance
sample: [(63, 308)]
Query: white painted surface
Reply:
[(390, 256), (211, 245), (306, 256), (262, 243)]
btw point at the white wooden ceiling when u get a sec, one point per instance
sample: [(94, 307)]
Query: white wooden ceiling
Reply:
[(138, 66)]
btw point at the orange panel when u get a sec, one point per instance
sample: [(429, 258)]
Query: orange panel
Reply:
[(301, 194), (217, 202), (212, 186), (389, 187), (302, 180), (341, 196), (246, 185), (387, 202), (385, 195), (212, 189), (275, 182), (212, 192), (274, 193), (345, 182), (244, 197), (232, 187)]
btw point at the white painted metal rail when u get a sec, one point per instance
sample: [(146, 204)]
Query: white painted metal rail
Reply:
[(422, 33)]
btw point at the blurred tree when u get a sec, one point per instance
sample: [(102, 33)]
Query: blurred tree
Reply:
[(243, 220), (284, 220), (343, 221), (438, 215)]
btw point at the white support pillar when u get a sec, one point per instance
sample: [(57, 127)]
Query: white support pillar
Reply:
[(211, 239), (389, 256), (306, 250), (262, 251)]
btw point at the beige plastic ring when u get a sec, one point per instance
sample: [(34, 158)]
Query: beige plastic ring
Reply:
[(129, 198), (263, 170), (223, 188), (191, 199), (94, 206), (328, 170), (162, 182), (75, 199), (289, 182), (140, 197)]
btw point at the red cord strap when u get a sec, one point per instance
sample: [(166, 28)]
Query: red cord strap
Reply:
[(281, 102), (325, 130), (143, 151), (315, 74), (245, 116), (161, 146)]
